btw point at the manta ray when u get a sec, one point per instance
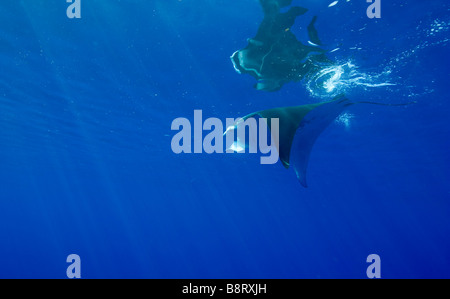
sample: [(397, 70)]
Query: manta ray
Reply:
[(299, 128), (275, 56)]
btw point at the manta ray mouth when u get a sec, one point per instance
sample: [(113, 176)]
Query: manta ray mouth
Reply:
[(239, 63)]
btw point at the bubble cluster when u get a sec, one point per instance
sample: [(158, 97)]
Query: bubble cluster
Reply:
[(339, 78)]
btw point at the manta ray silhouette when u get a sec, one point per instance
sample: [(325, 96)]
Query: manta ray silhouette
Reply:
[(275, 56), (299, 128)]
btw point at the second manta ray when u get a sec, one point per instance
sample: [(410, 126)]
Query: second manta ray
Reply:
[(275, 56), (299, 128)]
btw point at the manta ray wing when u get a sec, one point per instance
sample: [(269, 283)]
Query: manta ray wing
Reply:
[(311, 127)]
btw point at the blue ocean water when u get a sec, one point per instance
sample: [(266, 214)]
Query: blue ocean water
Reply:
[(86, 165)]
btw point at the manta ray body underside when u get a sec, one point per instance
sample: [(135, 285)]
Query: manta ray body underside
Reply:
[(275, 56)]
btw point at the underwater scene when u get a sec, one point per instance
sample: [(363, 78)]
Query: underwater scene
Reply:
[(218, 139)]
